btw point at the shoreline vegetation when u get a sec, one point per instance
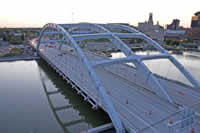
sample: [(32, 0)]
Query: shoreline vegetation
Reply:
[(13, 52), (20, 36), (177, 46)]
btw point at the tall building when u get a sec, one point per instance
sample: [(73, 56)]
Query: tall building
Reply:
[(194, 31), (150, 18), (154, 31), (196, 20), (175, 25)]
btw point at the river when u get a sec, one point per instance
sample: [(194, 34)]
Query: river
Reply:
[(26, 107)]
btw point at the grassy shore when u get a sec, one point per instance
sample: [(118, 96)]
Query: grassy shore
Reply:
[(13, 52)]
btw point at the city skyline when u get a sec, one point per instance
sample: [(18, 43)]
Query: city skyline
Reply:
[(37, 13)]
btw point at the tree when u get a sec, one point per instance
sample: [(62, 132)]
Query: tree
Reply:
[(168, 42), (23, 37)]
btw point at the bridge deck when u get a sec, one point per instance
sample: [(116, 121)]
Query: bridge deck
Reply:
[(139, 108)]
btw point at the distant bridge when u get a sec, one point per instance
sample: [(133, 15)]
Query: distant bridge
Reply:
[(135, 99)]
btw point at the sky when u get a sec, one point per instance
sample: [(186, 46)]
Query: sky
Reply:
[(36, 13)]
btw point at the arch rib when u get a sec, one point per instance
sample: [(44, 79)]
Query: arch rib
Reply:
[(128, 52), (109, 107), (177, 64), (131, 57)]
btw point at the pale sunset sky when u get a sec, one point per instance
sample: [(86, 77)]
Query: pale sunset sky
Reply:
[(36, 13)]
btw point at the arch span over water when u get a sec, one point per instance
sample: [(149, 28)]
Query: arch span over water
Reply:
[(95, 31)]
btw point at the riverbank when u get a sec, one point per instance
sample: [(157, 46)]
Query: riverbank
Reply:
[(18, 58), (10, 52)]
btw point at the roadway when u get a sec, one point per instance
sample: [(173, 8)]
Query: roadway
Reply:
[(138, 107)]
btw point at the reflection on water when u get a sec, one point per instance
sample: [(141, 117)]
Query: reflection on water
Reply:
[(27, 107), (74, 115)]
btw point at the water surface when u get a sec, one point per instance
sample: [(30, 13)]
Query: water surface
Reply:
[(26, 105)]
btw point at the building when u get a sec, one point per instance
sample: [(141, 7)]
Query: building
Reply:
[(120, 30), (150, 19), (194, 31), (154, 31), (175, 35), (147, 25), (196, 20), (17, 36), (127, 24), (175, 25)]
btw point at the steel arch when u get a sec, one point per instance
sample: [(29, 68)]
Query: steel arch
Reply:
[(128, 52), (109, 107), (161, 49), (101, 30)]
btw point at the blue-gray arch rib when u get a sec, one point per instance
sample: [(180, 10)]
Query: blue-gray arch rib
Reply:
[(109, 107), (177, 64), (128, 52), (125, 49)]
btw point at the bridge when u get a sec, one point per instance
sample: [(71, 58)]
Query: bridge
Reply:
[(135, 99)]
